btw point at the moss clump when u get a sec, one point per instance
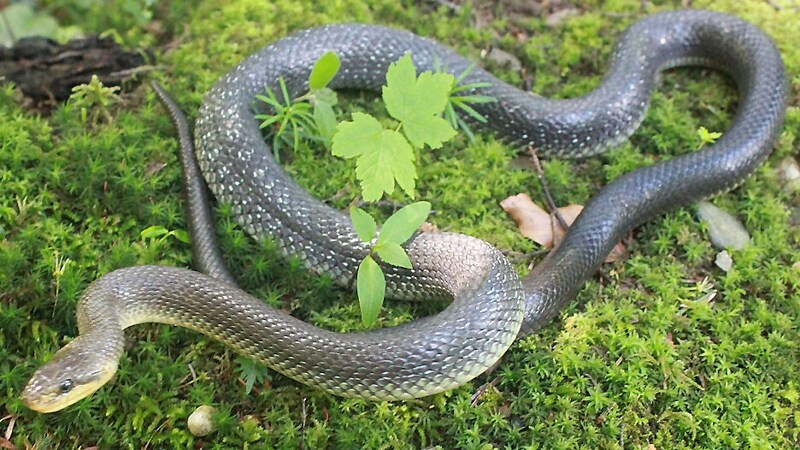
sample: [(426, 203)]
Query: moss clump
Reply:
[(646, 355)]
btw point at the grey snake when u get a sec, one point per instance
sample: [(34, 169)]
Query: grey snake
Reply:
[(491, 306)]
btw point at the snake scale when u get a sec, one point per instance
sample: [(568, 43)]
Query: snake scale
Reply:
[(491, 306)]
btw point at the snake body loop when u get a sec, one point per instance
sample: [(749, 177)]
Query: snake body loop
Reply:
[(490, 307)]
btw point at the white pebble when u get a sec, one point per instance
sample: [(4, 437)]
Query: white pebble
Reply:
[(724, 261), (724, 230), (201, 422)]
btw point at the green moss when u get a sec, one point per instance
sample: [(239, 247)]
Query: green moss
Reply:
[(663, 349)]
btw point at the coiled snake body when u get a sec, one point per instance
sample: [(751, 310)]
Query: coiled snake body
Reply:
[(490, 307)]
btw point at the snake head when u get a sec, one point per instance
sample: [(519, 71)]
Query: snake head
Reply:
[(74, 372)]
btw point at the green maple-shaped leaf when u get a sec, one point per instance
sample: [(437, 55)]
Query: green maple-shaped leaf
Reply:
[(383, 156), (419, 102)]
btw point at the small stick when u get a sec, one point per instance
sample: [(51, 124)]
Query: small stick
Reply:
[(8, 27), (482, 390), (303, 425), (546, 189)]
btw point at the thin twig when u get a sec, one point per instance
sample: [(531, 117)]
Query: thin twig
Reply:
[(134, 71), (482, 390), (551, 204), (303, 425), (8, 27)]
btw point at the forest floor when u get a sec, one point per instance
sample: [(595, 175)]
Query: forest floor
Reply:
[(661, 350)]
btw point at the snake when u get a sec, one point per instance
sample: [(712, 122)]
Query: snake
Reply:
[(490, 305)]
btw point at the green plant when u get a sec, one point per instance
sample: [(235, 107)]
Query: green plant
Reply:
[(384, 156), (292, 121), (89, 200), (308, 117), (707, 137), (95, 100), (251, 373), (161, 233), (398, 228), (460, 98)]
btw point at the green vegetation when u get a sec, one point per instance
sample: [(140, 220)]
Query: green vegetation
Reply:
[(399, 227), (383, 156), (663, 349)]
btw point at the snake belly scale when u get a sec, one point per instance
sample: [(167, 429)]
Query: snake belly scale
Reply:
[(491, 307)]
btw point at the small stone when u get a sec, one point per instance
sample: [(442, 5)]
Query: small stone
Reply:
[(201, 421), (789, 174), (560, 16), (724, 261), (502, 58), (724, 230), (794, 217)]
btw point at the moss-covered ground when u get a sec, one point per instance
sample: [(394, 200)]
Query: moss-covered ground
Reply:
[(644, 356)]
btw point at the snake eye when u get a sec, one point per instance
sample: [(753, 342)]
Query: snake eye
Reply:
[(65, 386)]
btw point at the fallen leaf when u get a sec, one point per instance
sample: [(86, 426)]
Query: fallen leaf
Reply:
[(569, 213), (9, 431), (533, 222), (543, 228)]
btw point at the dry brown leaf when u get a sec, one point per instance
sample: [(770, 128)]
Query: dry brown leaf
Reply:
[(569, 213), (533, 222), (543, 228), (9, 431)]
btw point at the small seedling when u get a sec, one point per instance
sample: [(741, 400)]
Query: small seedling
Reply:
[(426, 109)]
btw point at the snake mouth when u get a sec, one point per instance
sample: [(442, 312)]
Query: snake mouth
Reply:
[(43, 394)]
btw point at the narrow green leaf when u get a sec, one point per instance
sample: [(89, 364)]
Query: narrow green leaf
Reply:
[(324, 70), (154, 232), (401, 225), (464, 126), (363, 223), (269, 120), (393, 254), (285, 92), (475, 98), (181, 235), (271, 100), (450, 116), (371, 288), (325, 120), (469, 87), (469, 110), (463, 74), (326, 95)]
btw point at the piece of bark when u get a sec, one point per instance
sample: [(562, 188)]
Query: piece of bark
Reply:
[(46, 70)]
